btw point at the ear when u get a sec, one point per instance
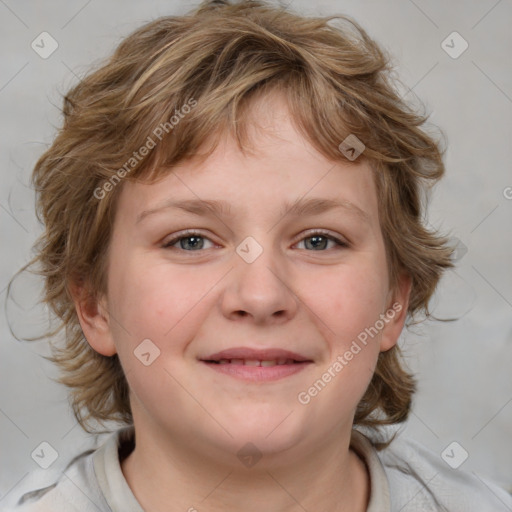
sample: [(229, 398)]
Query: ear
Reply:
[(94, 319), (396, 312)]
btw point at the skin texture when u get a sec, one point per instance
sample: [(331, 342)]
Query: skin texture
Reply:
[(190, 420)]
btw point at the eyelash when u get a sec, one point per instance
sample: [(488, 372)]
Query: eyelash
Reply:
[(309, 234)]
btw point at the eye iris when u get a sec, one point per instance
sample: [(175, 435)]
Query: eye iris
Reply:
[(316, 242), (192, 242)]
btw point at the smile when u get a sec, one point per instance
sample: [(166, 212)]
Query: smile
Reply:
[(254, 370), (255, 362)]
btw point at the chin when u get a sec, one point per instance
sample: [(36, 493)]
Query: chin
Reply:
[(271, 431)]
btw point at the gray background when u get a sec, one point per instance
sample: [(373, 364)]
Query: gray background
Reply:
[(464, 367)]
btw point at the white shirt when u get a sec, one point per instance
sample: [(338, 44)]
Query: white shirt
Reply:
[(398, 474)]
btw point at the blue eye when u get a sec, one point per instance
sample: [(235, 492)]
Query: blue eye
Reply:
[(190, 241), (319, 241)]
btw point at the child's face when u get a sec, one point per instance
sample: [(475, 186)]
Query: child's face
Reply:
[(202, 297)]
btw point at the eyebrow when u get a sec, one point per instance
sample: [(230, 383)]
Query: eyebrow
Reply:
[(196, 206), (314, 206), (222, 208)]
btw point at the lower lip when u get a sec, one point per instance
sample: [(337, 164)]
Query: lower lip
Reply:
[(258, 373)]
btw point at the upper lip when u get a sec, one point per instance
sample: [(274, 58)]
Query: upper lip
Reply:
[(268, 354)]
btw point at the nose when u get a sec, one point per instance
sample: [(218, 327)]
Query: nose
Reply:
[(259, 292)]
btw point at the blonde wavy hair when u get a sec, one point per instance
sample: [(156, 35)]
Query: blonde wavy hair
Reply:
[(337, 82)]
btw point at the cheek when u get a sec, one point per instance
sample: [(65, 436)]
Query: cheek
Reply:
[(348, 300), (153, 301), (348, 308), (355, 297), (157, 301)]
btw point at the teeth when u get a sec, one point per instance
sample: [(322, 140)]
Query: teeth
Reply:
[(249, 362), (255, 362)]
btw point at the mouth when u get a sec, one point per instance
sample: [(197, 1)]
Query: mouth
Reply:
[(257, 365), (255, 362)]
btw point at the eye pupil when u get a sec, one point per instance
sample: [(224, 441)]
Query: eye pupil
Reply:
[(192, 242), (196, 242), (317, 242)]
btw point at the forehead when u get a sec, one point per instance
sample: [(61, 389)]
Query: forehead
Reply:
[(278, 166)]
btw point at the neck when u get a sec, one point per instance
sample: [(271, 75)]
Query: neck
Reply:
[(177, 478)]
